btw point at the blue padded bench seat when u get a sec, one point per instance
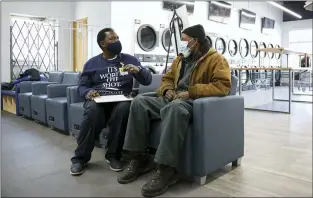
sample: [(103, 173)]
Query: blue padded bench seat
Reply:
[(38, 105), (76, 112), (60, 114), (7, 93), (25, 104)]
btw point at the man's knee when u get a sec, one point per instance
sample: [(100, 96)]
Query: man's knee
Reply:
[(139, 100), (176, 107)]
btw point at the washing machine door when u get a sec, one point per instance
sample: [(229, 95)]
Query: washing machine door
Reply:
[(255, 76), (270, 54), (277, 55), (254, 49), (243, 47), (209, 40), (220, 45), (232, 47), (262, 53), (166, 38), (245, 76), (147, 37), (278, 75)]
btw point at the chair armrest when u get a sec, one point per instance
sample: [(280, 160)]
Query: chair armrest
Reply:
[(25, 86), (218, 132), (40, 88), (152, 94), (73, 96), (57, 90)]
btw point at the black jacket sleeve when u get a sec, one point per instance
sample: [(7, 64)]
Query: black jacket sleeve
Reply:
[(144, 76), (85, 82)]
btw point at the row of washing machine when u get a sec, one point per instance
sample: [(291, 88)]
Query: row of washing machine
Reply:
[(152, 45), (241, 47), (250, 79)]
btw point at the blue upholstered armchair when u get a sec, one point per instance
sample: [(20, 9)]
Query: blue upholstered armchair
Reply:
[(215, 137), (39, 96), (56, 102)]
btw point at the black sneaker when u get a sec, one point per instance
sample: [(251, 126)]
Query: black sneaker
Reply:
[(135, 168), (77, 169), (164, 177), (115, 165)]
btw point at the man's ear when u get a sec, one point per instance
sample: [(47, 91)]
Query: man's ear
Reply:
[(102, 44)]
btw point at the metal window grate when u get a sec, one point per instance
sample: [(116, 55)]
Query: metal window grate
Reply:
[(33, 45)]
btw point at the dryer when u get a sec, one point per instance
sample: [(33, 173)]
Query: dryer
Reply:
[(211, 36), (210, 40), (165, 40), (146, 37), (147, 44)]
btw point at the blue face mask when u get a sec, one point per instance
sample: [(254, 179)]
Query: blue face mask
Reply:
[(115, 48)]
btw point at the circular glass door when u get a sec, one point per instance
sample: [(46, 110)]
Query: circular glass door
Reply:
[(220, 45), (245, 77), (255, 76), (262, 53), (270, 54), (232, 47), (166, 38), (209, 40), (254, 49), (277, 55), (243, 48), (147, 38)]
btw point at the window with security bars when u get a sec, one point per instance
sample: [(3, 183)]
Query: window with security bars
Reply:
[(33, 45)]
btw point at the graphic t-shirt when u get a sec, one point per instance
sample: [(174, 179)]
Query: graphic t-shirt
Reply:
[(104, 75)]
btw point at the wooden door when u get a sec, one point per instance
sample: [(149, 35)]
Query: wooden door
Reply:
[(80, 44)]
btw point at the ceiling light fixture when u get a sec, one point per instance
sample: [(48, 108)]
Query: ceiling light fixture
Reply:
[(221, 4), (308, 5), (247, 14), (285, 9), (187, 2)]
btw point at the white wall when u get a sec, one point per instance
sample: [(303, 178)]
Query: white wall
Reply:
[(64, 10), (286, 28), (123, 14), (99, 17), (120, 15), (294, 25)]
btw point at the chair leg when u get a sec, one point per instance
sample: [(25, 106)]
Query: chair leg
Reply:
[(200, 180), (236, 162)]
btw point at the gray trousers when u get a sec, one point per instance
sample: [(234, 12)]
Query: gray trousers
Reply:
[(175, 117)]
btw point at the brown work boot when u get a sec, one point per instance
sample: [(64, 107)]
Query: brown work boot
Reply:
[(164, 177), (136, 167)]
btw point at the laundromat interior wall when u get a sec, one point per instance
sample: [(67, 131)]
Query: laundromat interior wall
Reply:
[(124, 13), (121, 15), (99, 16), (290, 26)]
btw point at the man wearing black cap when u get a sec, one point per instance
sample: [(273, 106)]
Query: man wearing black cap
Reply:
[(198, 71)]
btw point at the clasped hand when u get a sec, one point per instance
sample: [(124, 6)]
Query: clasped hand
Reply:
[(131, 68), (92, 94), (172, 95)]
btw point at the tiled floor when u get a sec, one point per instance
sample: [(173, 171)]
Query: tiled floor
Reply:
[(278, 162)]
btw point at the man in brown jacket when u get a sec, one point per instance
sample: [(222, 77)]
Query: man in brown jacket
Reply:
[(199, 71)]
